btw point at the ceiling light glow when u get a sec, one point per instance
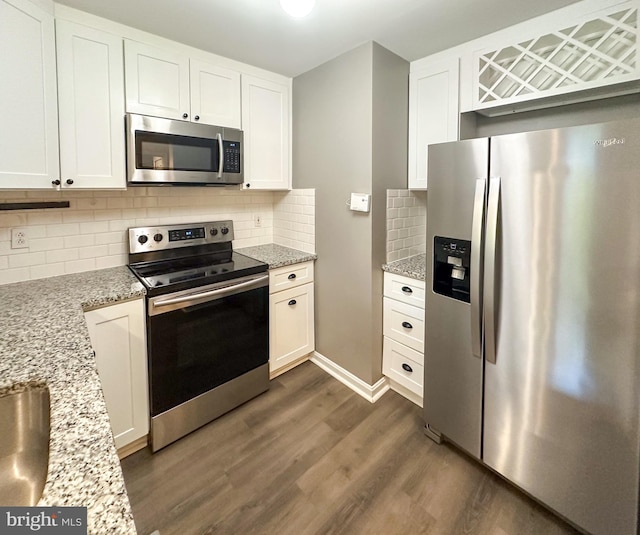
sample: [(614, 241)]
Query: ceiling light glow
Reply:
[(298, 8)]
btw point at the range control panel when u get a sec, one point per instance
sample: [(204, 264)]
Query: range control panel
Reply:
[(146, 239)]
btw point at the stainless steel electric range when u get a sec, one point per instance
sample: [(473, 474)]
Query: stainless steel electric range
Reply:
[(207, 324)]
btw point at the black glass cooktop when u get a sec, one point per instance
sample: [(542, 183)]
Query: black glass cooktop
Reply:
[(177, 274)]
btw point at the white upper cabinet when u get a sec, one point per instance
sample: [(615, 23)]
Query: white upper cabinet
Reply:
[(157, 81), (215, 94), (91, 105), (28, 107), (166, 83), (556, 56), (433, 114), (266, 121)]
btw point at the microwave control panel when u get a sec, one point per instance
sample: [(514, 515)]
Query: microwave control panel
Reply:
[(232, 156)]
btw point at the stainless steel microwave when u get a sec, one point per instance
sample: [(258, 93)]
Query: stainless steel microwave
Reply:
[(179, 153)]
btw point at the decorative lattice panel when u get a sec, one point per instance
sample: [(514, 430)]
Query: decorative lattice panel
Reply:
[(599, 51)]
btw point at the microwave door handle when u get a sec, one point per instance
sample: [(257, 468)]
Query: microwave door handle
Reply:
[(220, 154)]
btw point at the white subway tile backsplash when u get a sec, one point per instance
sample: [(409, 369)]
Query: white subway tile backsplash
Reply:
[(406, 223), (92, 233), (46, 270), (78, 266), (45, 244), (26, 259), (94, 251), (64, 229), (61, 255)]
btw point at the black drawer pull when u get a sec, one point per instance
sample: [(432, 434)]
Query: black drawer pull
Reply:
[(407, 368), (292, 276), (407, 290), (292, 302), (407, 325)]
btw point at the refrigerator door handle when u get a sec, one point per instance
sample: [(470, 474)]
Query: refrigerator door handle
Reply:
[(489, 304), (476, 257)]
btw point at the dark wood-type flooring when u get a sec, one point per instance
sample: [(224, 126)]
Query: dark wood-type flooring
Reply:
[(312, 457)]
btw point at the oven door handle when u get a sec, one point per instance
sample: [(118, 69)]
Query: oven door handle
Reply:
[(196, 298)]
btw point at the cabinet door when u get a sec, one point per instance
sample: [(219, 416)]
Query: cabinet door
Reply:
[(266, 124), (91, 104), (433, 114), (118, 339), (156, 81), (215, 95), (28, 107), (292, 332)]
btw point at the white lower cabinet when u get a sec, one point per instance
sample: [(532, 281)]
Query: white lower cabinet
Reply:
[(291, 316), (403, 341), (117, 335)]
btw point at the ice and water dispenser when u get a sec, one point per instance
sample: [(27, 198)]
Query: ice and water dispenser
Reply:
[(451, 265)]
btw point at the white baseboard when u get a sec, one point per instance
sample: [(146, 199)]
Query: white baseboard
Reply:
[(371, 393)]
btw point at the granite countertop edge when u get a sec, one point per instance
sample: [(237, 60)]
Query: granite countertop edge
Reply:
[(413, 267)]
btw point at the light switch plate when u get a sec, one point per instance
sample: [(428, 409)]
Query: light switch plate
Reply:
[(360, 202)]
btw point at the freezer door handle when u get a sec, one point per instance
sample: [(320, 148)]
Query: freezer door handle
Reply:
[(476, 257), (490, 271)]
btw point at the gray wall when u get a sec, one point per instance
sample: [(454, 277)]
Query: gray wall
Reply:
[(340, 110)]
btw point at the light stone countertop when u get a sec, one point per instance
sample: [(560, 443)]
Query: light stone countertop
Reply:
[(44, 338), (276, 255), (414, 267)]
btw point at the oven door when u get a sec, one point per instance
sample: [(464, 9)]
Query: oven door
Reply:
[(201, 338)]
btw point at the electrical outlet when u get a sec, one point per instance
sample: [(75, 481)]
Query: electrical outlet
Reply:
[(19, 239), (257, 220)]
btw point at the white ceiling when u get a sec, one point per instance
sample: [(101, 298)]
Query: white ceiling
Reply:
[(258, 32)]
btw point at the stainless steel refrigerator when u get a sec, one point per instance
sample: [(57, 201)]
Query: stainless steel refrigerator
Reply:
[(532, 342)]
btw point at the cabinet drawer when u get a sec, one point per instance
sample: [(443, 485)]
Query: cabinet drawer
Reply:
[(403, 365), (290, 276), (404, 323), (405, 289)]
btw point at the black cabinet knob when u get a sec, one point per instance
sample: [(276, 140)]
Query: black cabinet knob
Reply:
[(407, 325), (185, 115), (292, 302), (407, 290), (55, 182), (292, 276), (248, 185), (406, 367), (197, 117), (69, 181)]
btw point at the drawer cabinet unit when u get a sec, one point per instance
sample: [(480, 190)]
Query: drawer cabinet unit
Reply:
[(404, 289), (404, 365), (403, 329), (117, 335), (291, 316)]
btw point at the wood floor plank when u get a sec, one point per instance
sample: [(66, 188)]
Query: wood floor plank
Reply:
[(311, 457)]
